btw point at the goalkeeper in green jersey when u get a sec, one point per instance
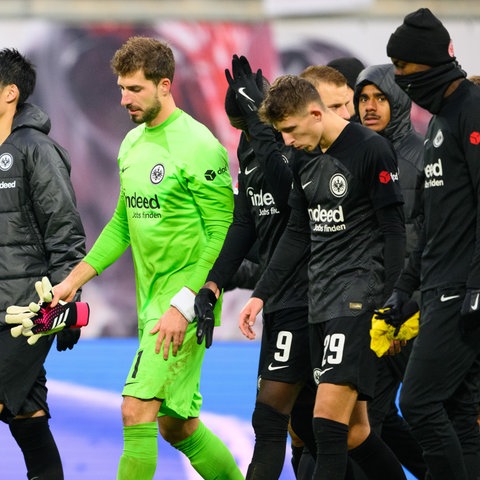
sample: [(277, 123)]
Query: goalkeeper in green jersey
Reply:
[(174, 209)]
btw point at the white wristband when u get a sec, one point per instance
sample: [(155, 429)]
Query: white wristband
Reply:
[(183, 301)]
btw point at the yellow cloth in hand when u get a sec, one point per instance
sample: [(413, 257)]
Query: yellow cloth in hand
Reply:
[(382, 334)]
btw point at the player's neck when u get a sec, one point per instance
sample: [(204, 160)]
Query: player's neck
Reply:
[(333, 128), (6, 121), (168, 107)]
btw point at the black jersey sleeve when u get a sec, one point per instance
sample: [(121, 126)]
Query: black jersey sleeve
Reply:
[(269, 153), (245, 277), (391, 223), (409, 279), (239, 240), (471, 149), (292, 248), (381, 163)]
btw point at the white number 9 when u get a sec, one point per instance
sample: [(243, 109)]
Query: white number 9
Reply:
[(284, 345)]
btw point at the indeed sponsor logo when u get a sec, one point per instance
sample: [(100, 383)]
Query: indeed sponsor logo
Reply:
[(260, 199), (319, 214), (8, 184), (138, 201), (434, 174), (434, 169)]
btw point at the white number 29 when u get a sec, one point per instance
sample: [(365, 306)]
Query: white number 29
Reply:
[(333, 349)]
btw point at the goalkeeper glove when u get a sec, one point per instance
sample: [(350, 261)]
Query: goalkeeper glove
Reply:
[(205, 301), (248, 87), (47, 320), (39, 319), (16, 314)]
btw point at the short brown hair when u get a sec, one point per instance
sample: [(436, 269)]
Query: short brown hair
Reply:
[(152, 56), (288, 95), (475, 79), (317, 74)]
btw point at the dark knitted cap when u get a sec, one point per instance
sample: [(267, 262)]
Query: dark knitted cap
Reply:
[(421, 38), (350, 67)]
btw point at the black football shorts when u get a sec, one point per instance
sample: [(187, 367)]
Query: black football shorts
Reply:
[(22, 375), (341, 353), (284, 353)]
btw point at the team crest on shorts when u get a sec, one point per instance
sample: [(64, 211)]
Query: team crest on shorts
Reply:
[(318, 372), (157, 174), (338, 185), (6, 162)]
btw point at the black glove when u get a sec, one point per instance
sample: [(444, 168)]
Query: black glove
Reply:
[(67, 338), (470, 312), (397, 309), (205, 301), (248, 87)]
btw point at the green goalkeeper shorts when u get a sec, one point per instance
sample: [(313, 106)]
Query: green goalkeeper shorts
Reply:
[(174, 381)]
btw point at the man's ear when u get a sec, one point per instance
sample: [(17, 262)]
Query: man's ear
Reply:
[(165, 86), (317, 113), (12, 93)]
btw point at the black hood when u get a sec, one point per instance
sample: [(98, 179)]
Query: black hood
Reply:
[(383, 77), (31, 116)]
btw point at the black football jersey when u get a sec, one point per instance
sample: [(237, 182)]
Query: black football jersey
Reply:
[(338, 193), (451, 255), (261, 214)]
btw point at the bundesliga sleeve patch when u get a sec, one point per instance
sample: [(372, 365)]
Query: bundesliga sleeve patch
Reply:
[(384, 177), (475, 138)]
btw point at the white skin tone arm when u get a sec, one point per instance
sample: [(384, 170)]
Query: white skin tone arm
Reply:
[(78, 277), (248, 316), (171, 327)]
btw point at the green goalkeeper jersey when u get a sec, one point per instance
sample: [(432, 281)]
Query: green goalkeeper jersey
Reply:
[(174, 209)]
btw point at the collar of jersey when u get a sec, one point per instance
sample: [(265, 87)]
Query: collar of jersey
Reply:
[(167, 122)]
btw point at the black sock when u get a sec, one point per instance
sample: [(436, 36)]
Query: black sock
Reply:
[(306, 466), (296, 456), (271, 429), (39, 449), (396, 433), (331, 438), (377, 460), (301, 421), (354, 472)]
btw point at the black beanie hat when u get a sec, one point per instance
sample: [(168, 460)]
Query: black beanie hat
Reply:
[(421, 38), (350, 67)]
